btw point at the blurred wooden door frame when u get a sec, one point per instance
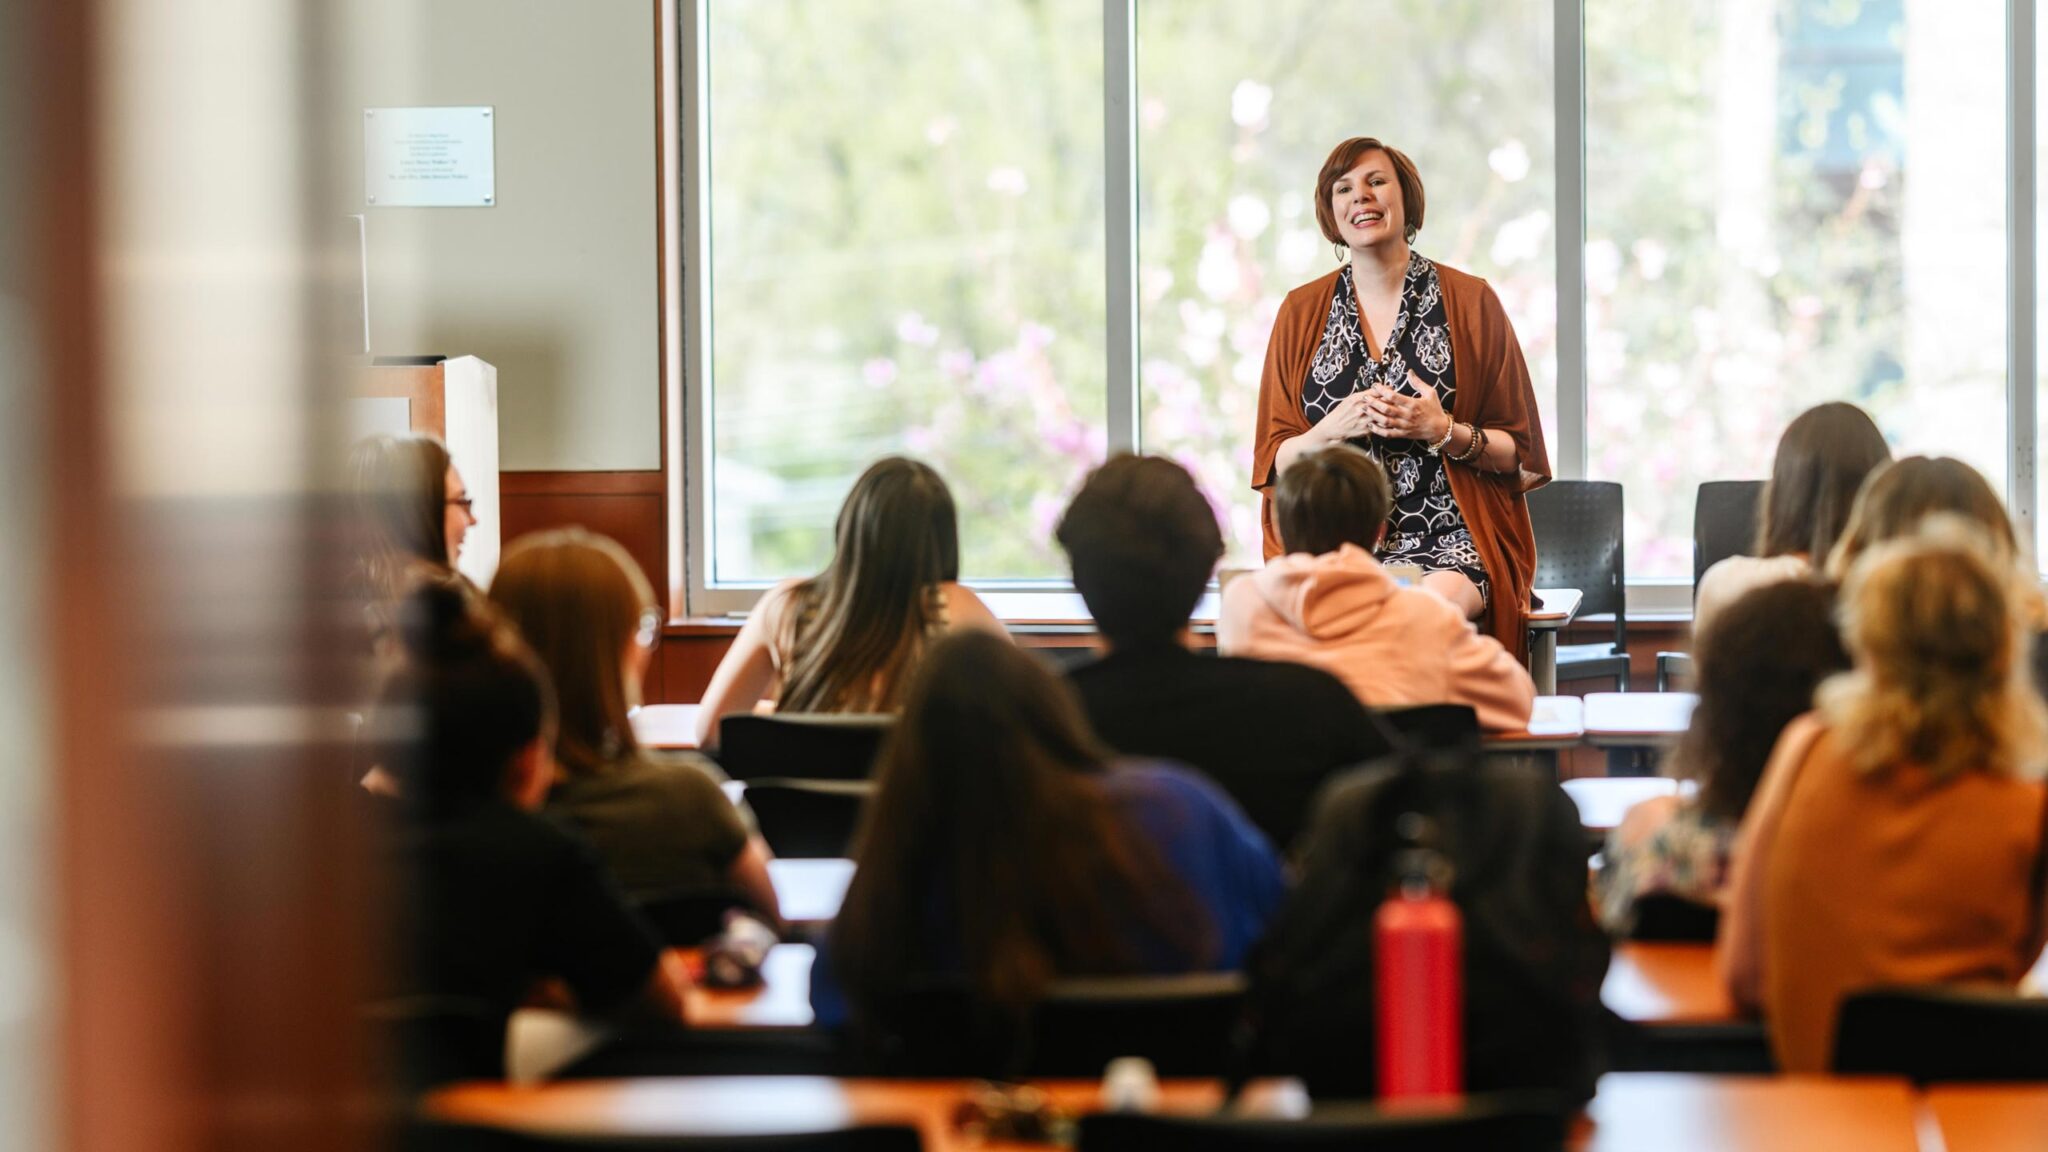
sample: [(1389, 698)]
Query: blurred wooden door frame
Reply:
[(203, 997)]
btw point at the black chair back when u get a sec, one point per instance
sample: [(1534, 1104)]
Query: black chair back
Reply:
[(809, 819), (1661, 916), (1435, 727), (1725, 515), (438, 1039), (853, 1138), (1938, 1034), (1578, 527), (1516, 1122), (798, 746), (688, 917), (1183, 1024)]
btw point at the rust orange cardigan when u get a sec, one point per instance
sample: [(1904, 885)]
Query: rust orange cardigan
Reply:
[(1493, 392)]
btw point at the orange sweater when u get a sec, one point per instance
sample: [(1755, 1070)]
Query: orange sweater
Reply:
[(1848, 880), (1392, 646), (1493, 392)]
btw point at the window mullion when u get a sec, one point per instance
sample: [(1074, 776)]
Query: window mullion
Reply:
[(1570, 113), (2021, 288), (1120, 218)]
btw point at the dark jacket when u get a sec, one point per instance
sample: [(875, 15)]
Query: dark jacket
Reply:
[(1534, 956), (1270, 733)]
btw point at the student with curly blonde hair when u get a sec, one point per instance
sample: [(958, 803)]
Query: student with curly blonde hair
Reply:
[(1897, 835)]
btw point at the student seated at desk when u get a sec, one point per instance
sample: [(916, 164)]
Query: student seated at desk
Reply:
[(410, 515), (1004, 845), (1329, 604), (1758, 664), (1143, 543), (847, 639), (661, 821), (494, 900), (1900, 496), (1824, 456), (1897, 835)]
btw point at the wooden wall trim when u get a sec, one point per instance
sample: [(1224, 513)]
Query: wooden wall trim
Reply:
[(581, 483)]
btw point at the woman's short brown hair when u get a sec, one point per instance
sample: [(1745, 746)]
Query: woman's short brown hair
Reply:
[(1349, 155), (1332, 497)]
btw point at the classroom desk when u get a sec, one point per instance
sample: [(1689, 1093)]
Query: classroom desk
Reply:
[(1647, 983), (1677, 1112), (1604, 800), (810, 891), (1990, 1117), (760, 1105), (1667, 984), (1556, 723), (669, 726), (1632, 1111), (1637, 719), (1559, 606), (781, 1001)]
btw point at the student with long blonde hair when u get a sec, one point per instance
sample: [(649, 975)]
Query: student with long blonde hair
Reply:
[(847, 639), (661, 821), (1897, 835)]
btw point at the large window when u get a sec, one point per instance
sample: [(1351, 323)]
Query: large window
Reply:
[(906, 232), (1787, 202), (1238, 105), (919, 220)]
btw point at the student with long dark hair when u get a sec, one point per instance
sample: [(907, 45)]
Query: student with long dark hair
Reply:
[(1758, 665), (494, 899), (411, 511), (1823, 458), (660, 820), (1004, 846), (847, 639)]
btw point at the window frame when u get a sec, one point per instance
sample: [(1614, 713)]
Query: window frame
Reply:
[(686, 322)]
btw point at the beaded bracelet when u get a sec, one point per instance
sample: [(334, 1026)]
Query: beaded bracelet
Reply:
[(1476, 448)]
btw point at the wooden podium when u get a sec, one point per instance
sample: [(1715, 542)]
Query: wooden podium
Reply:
[(456, 400)]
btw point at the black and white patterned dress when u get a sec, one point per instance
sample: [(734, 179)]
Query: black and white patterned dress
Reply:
[(1426, 529)]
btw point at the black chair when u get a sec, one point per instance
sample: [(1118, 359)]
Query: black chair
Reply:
[(1437, 727), (1938, 1034), (1660, 916), (689, 917), (441, 1137), (1578, 528), (1725, 514), (809, 819), (437, 1040), (801, 746), (1183, 1024), (1516, 1122)]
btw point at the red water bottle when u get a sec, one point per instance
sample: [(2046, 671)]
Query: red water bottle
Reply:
[(1419, 958)]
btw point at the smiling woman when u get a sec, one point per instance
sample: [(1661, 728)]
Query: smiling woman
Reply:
[(1374, 354)]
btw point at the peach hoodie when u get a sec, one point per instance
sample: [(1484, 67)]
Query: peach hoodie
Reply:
[(1392, 646)]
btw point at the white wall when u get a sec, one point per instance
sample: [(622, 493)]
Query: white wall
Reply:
[(556, 284)]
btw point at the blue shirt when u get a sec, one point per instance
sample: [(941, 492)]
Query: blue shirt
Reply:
[(1200, 835)]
